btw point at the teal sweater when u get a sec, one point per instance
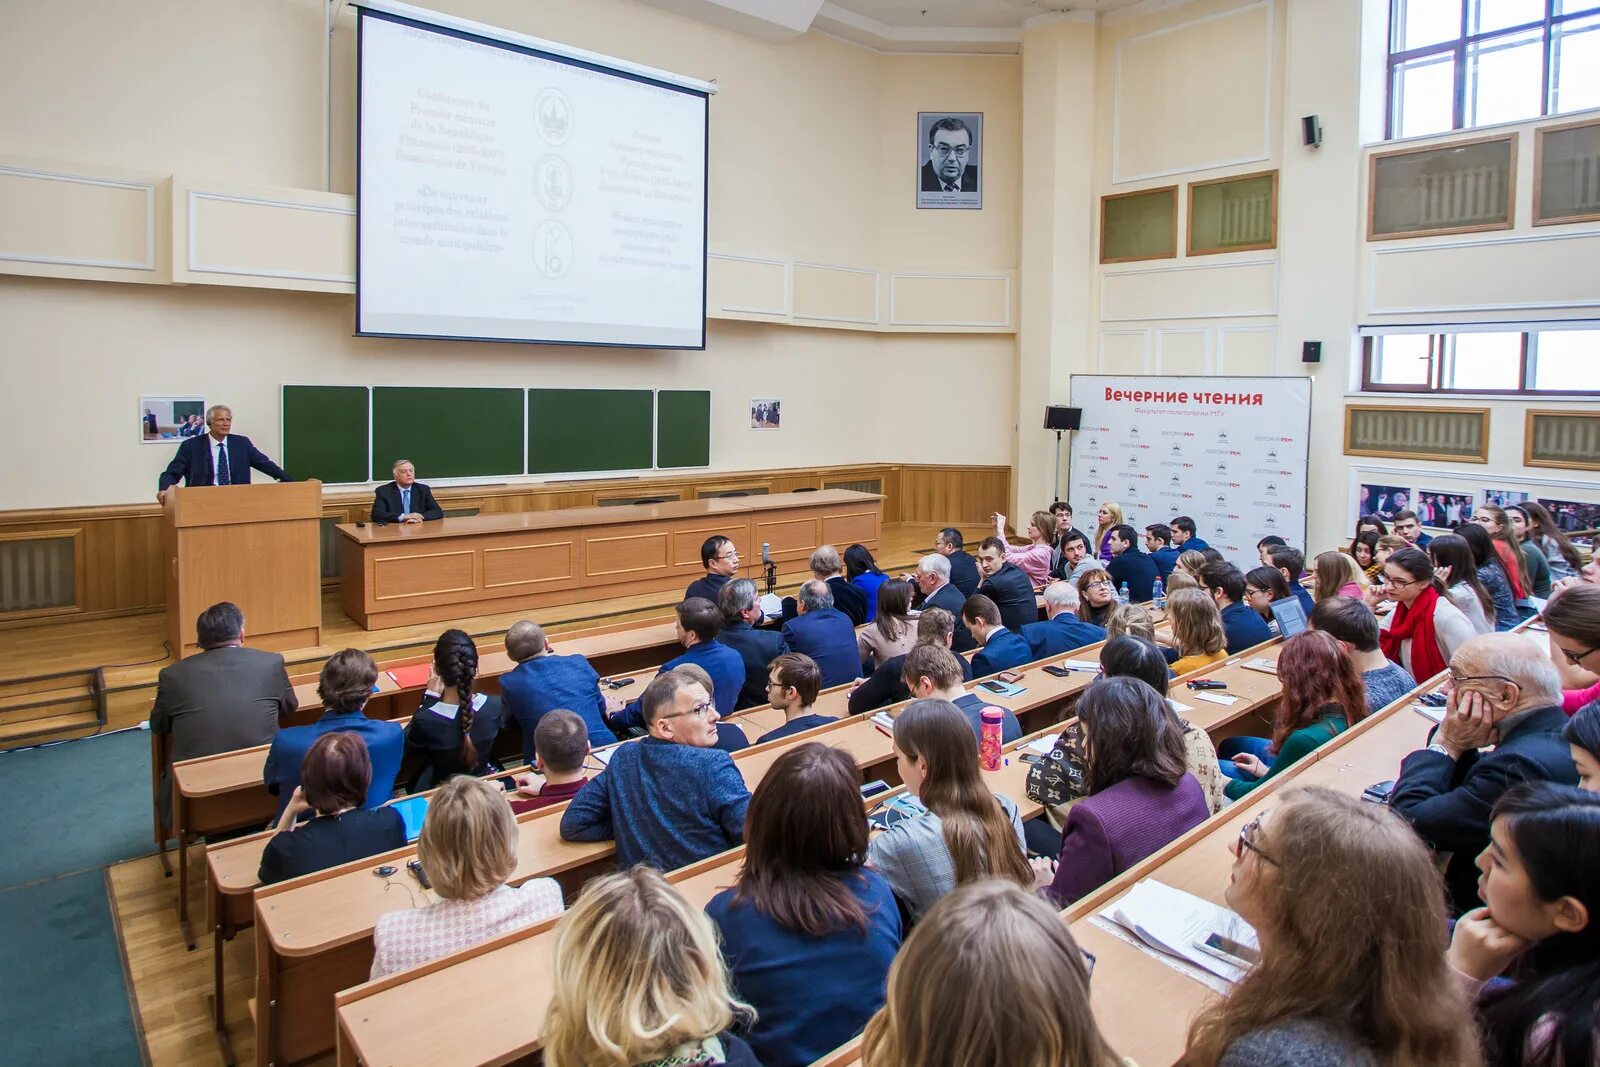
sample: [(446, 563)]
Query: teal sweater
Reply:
[(1296, 746)]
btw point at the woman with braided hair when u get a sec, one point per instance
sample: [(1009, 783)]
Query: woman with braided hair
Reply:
[(454, 729)]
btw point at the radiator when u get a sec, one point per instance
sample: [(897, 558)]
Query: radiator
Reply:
[(37, 573), (1462, 197)]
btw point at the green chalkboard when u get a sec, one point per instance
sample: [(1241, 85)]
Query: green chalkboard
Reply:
[(581, 430), (325, 432), (447, 432), (683, 428)]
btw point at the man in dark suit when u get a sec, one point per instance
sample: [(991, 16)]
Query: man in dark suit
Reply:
[(218, 458), (964, 573), (1158, 542), (1007, 585), (405, 499), (933, 579), (999, 649), (1505, 692), (824, 633), (827, 566), (721, 560), (1129, 566), (222, 698), (1063, 631), (947, 169), (740, 604)]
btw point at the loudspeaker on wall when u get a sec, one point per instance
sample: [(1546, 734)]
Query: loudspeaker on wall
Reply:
[(1059, 418)]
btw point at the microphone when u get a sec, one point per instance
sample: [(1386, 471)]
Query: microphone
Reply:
[(766, 552)]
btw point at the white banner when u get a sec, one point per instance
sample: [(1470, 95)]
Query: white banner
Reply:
[(1230, 453)]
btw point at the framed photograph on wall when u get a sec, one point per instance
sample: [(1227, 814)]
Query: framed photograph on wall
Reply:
[(1382, 500), (1505, 497), (1441, 509), (1572, 515), (764, 414), (950, 160), (164, 419)]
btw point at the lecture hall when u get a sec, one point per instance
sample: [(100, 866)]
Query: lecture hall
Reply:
[(903, 533)]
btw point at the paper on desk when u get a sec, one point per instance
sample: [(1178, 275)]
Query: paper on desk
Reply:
[(604, 754), (1042, 745), (1178, 707), (883, 719), (1213, 698), (1172, 922), (771, 605), (1436, 714), (1264, 665), (1081, 664)]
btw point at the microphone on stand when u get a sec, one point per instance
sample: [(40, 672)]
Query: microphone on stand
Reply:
[(770, 567)]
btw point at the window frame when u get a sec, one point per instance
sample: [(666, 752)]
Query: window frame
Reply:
[(1437, 360)]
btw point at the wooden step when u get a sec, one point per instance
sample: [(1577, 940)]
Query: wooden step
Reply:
[(12, 701), (34, 731)]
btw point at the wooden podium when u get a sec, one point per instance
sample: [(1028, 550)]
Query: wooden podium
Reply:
[(255, 545)]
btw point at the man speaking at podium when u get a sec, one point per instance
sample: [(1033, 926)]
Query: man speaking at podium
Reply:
[(218, 458), (405, 499)]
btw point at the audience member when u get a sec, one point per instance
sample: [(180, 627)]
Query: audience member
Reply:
[(1191, 562), (1371, 524), (1034, 560), (1265, 546), (543, 681), (1096, 597), (344, 688), (1573, 619), (892, 631), (1137, 657), (807, 931), (999, 649), (1538, 932), (1491, 575), (935, 627), (698, 623), (793, 683), (740, 606), (1503, 690), (933, 581), (404, 500), (1534, 564), (827, 567), (1158, 542), (730, 737), (1242, 628), (992, 976), (468, 849), (1291, 563), (1497, 525), (963, 569), (1007, 585), (1140, 797), (1064, 529), (1129, 567), (560, 747), (453, 729), (1336, 574), (721, 560), (1062, 630), (672, 797), (222, 698), (1182, 579), (957, 831), (933, 673), (1388, 545), (1560, 555), (334, 778), (1130, 619), (1345, 903), (1262, 587), (1355, 627), (1424, 630), (1184, 537), (824, 633), (638, 979), (1108, 516), (864, 575), (1408, 526), (1582, 735), (1075, 558), (1196, 631), (1455, 567), (1364, 550), (1322, 697)]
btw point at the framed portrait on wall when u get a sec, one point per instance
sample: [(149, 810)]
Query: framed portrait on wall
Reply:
[(949, 160)]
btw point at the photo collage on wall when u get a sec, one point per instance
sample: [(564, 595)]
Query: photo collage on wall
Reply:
[(1442, 509)]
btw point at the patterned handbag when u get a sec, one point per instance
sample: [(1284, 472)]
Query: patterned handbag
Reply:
[(1060, 777)]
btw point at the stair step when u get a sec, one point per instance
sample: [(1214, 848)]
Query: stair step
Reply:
[(13, 701), (36, 729)]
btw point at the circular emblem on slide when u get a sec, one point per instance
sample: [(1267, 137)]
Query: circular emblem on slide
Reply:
[(552, 113), (552, 183), (552, 249)]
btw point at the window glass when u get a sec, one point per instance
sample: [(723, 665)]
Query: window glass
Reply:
[(1505, 78), (1486, 16), (1575, 65), (1423, 22), (1486, 361), (1401, 359), (1424, 92), (1567, 360)]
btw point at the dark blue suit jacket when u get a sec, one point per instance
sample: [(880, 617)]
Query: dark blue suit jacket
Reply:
[(386, 744), (1003, 651), (951, 599), (758, 648), (1165, 559), (972, 705), (1138, 570), (1194, 544), (716, 659), (827, 637), (548, 682), (386, 503), (192, 464), (1012, 592), (1061, 634)]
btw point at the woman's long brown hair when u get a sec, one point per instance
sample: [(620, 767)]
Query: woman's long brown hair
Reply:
[(979, 835), (1316, 672), (1353, 935)]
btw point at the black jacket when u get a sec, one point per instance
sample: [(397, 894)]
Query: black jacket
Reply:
[(846, 598), (758, 648), (951, 599), (1012, 593), (433, 744), (964, 573), (885, 687), (386, 503)]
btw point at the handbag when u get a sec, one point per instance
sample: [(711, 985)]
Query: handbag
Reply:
[(1059, 777)]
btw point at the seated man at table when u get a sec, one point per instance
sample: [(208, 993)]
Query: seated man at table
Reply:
[(730, 735), (827, 566), (1158, 542), (793, 683), (1062, 630), (698, 622), (822, 632), (964, 573), (223, 698), (931, 672), (1355, 627), (561, 745), (543, 681), (721, 560), (1130, 567), (740, 604), (936, 627), (1505, 692), (344, 688), (1291, 563), (405, 499), (671, 798), (938, 591), (1242, 627), (999, 649), (1007, 584)]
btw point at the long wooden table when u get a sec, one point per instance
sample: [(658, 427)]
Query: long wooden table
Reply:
[(399, 574)]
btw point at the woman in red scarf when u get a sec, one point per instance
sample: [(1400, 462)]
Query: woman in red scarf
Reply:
[(1424, 629)]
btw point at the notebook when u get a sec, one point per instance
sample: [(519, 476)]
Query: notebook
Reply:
[(413, 677)]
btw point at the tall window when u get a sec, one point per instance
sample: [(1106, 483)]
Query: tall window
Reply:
[(1540, 361), (1455, 64)]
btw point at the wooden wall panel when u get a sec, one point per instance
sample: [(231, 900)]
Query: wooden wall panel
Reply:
[(957, 495)]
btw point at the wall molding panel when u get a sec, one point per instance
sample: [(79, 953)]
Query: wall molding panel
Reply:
[(1544, 270), (959, 301), (96, 224), (291, 239), (1242, 289)]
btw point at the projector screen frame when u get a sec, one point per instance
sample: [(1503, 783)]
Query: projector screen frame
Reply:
[(495, 37)]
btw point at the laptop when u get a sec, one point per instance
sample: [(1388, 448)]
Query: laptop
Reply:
[(412, 810), (1291, 617)]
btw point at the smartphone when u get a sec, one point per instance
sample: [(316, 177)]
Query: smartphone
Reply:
[(1011, 676), (1059, 672), (993, 687), (619, 683), (1378, 793), (1229, 951), (1433, 700), (1030, 757), (873, 788), (415, 867)]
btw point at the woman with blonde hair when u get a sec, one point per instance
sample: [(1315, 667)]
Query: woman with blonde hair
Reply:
[(991, 976), (1197, 633), (1130, 619), (468, 849), (1108, 516), (1182, 579), (639, 981), (1336, 574), (1350, 913), (1096, 598), (1190, 562), (1034, 559)]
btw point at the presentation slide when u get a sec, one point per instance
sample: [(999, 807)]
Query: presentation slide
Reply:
[(509, 194)]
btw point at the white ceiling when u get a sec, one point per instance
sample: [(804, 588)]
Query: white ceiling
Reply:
[(990, 14)]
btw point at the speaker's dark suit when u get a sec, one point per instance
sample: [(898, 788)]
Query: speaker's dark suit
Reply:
[(192, 465), (932, 184), (386, 503)]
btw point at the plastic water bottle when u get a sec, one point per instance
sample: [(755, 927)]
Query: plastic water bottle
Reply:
[(1158, 595), (989, 738), (1122, 593)]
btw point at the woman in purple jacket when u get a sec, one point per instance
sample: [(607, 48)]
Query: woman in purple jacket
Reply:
[(1141, 797)]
